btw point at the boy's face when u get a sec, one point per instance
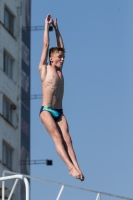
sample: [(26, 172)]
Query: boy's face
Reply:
[(57, 59)]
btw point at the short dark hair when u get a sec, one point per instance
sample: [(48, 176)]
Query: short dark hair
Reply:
[(55, 49)]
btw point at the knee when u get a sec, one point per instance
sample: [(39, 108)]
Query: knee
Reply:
[(57, 137), (68, 139)]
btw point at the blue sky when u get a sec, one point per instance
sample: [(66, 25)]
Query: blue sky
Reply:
[(98, 99)]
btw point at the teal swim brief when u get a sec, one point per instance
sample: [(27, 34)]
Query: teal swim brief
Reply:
[(56, 113)]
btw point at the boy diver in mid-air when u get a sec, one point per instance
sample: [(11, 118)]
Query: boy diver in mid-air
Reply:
[(51, 113)]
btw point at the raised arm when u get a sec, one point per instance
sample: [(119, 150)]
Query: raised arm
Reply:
[(44, 56), (58, 35)]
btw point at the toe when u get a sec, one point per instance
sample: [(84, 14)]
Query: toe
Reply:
[(82, 178)]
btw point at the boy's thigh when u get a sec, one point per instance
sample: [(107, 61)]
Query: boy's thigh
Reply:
[(49, 123), (63, 126)]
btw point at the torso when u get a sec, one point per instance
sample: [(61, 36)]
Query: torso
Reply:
[(52, 87)]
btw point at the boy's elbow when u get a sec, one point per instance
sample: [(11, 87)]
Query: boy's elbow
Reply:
[(46, 45)]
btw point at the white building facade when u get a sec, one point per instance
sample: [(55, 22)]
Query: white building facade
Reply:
[(14, 86)]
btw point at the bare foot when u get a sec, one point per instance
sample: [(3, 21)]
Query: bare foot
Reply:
[(81, 175), (75, 173)]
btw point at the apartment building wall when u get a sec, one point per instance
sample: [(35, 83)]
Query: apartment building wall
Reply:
[(10, 86)]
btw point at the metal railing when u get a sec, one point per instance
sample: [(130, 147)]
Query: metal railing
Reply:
[(17, 177), (24, 176)]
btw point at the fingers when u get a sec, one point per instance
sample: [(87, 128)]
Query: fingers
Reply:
[(48, 19), (54, 22)]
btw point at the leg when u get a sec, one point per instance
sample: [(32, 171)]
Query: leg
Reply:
[(63, 126), (54, 132)]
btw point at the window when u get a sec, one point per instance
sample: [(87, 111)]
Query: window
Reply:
[(7, 155), (7, 110), (8, 65), (9, 21)]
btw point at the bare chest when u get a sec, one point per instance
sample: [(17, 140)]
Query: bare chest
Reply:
[(55, 80)]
